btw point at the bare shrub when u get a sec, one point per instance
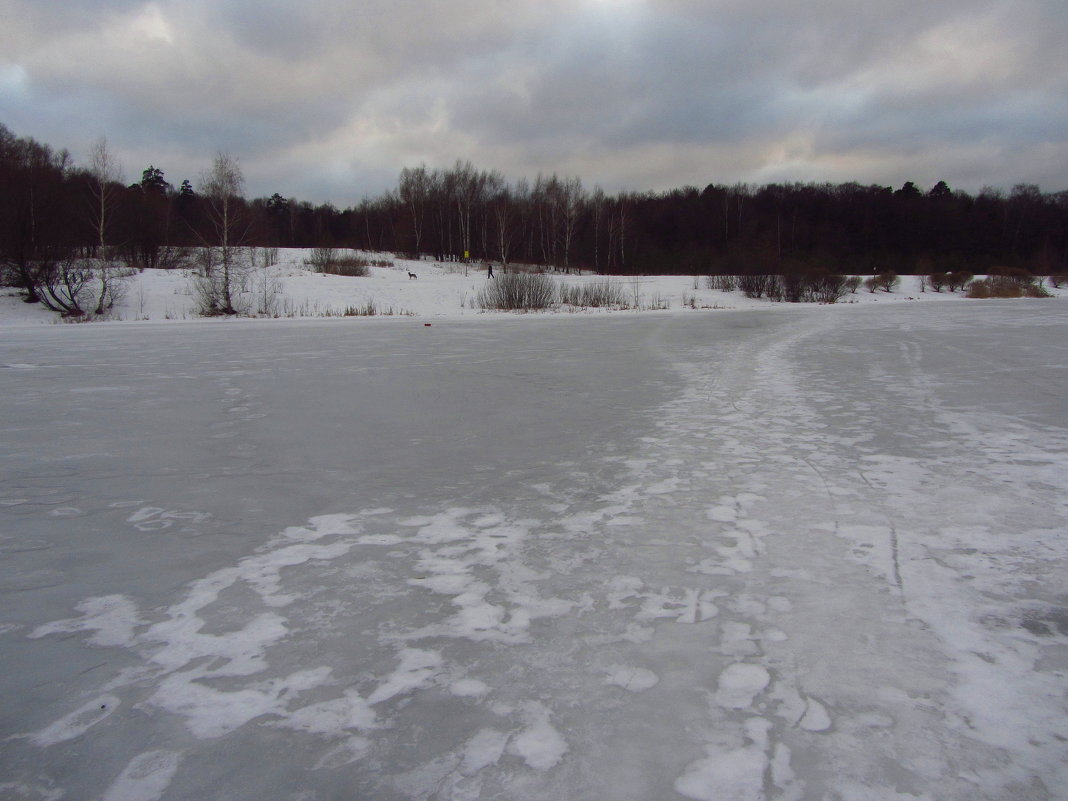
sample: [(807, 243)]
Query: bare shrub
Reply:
[(596, 294), (206, 260), (658, 302), (723, 283), (793, 286), (825, 287), (775, 288), (64, 285), (812, 286), (757, 285), (1003, 286), (333, 261), (220, 286), (321, 259), (351, 266), (268, 290), (959, 279), (171, 257), (887, 281), (518, 291), (112, 283), (1036, 290), (1014, 275), (571, 295), (983, 289), (368, 309), (269, 256), (79, 288), (852, 283), (1056, 280), (938, 280)]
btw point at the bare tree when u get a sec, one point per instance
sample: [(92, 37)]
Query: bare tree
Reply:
[(504, 213), (415, 190), (571, 199), (545, 198), (469, 191), (596, 203), (222, 188), (107, 178), (493, 184)]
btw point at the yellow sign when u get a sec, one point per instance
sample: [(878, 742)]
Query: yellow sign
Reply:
[(467, 254)]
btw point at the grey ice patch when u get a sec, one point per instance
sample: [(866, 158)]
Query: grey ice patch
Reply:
[(1047, 621), (634, 679)]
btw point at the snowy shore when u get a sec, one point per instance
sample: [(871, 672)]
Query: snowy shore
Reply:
[(440, 291)]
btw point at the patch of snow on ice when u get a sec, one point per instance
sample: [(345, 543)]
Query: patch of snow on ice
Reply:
[(417, 669), (736, 774), (740, 683), (211, 713), (145, 778), (77, 722), (112, 618), (483, 750), (816, 717), (722, 514), (332, 718), (539, 744), (353, 749), (469, 688)]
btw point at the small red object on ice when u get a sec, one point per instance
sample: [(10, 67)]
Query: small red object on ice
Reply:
[(426, 325)]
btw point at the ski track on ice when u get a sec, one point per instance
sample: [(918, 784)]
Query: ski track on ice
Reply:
[(609, 636)]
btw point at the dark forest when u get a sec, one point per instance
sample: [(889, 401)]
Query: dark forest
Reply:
[(50, 206)]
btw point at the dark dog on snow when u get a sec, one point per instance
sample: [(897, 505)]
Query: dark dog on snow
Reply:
[(411, 275)]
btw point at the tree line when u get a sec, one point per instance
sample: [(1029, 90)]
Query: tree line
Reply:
[(51, 207)]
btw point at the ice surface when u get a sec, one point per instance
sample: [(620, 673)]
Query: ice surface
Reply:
[(145, 778), (801, 554)]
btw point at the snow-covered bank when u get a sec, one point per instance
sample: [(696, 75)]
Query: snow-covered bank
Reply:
[(439, 290)]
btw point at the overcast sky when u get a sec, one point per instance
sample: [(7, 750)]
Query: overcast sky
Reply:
[(326, 100)]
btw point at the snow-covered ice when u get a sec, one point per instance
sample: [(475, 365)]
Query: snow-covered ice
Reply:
[(791, 554)]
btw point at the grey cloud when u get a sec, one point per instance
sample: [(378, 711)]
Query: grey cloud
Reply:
[(327, 96)]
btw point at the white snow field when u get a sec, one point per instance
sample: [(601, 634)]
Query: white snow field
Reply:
[(797, 554)]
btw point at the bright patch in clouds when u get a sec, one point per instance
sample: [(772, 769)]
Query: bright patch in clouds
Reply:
[(152, 25)]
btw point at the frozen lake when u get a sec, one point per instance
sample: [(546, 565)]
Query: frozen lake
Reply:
[(793, 554)]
